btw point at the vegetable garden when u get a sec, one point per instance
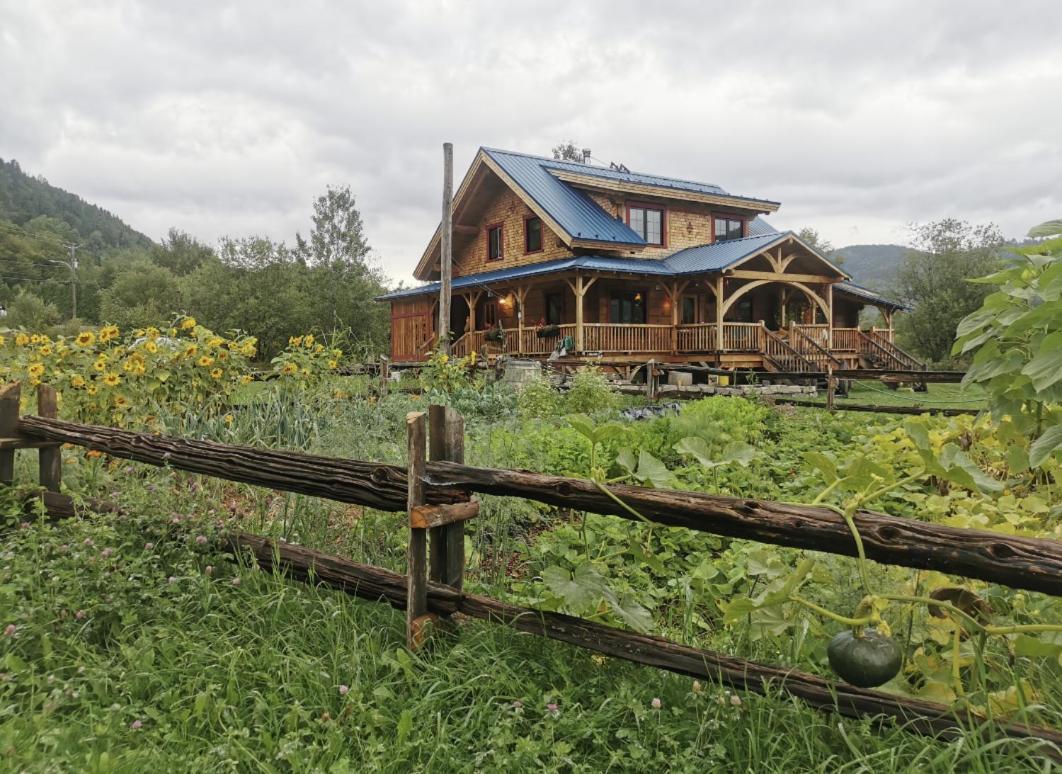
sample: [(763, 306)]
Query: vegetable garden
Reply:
[(149, 636)]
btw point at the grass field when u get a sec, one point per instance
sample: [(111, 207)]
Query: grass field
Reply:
[(135, 643)]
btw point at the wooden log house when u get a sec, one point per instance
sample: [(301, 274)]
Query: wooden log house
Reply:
[(559, 257)]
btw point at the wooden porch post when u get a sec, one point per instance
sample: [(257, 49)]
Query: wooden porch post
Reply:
[(675, 291), (887, 315), (719, 312), (521, 296), (579, 312), (472, 299), (829, 322)]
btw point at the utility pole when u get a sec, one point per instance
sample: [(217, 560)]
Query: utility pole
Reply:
[(446, 247), (72, 265)]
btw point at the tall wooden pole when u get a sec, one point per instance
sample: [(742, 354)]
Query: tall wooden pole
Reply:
[(446, 258)]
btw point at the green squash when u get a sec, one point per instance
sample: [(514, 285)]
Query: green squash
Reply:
[(866, 661)]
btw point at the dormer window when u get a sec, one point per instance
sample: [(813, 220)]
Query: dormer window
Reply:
[(729, 228), (647, 222), (494, 242)]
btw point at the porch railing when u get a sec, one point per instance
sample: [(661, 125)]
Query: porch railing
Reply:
[(846, 339), (698, 337), (820, 334), (742, 337), (609, 337), (532, 344)]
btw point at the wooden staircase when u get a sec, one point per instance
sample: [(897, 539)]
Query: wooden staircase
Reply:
[(878, 352), (821, 357), (779, 355)]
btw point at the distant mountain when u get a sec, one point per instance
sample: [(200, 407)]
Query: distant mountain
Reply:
[(23, 198), (872, 266)]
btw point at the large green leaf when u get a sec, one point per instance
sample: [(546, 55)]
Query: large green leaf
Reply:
[(1045, 446), (652, 471), (1046, 229), (1046, 368)]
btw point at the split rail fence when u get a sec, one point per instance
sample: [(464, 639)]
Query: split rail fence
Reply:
[(435, 492)]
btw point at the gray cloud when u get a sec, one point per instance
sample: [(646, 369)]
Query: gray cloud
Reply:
[(229, 118)]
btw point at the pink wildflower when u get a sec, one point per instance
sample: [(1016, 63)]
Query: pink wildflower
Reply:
[(88, 541), (148, 546), (172, 579), (9, 630), (209, 569), (201, 540), (236, 581), (344, 690), (735, 700), (656, 703), (80, 615), (135, 725), (552, 708), (106, 552)]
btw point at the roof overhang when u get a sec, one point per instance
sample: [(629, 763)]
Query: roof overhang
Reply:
[(596, 183), (788, 237)]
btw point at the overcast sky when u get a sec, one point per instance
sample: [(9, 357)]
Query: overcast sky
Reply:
[(229, 118)]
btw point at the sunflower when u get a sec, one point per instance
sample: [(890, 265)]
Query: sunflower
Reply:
[(91, 390), (101, 363), (36, 370), (187, 323), (21, 340), (333, 364), (77, 381), (229, 419), (151, 346), (249, 347), (246, 379), (108, 332), (217, 341), (190, 350), (45, 350), (85, 339), (205, 361), (2, 341), (308, 341), (216, 373), (112, 379), (121, 401), (295, 341), (289, 368)]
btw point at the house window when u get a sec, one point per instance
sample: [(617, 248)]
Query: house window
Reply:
[(729, 228), (533, 235), (494, 242), (554, 308), (688, 313), (490, 314), (627, 308), (648, 223)]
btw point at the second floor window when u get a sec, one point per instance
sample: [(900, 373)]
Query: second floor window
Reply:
[(494, 243), (729, 228), (532, 235), (647, 223)]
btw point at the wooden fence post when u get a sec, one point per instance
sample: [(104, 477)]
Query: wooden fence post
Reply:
[(830, 384), (50, 458), (417, 616), (650, 380), (385, 375), (10, 394), (447, 443)]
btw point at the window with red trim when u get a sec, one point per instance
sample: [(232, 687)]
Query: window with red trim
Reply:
[(532, 235), (647, 222), (494, 242)]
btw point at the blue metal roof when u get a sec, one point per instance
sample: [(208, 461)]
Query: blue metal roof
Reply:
[(571, 208), (859, 291), (758, 227), (643, 266), (719, 255), (576, 212)]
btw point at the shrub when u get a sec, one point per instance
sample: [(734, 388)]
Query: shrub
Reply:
[(590, 392), (538, 400)]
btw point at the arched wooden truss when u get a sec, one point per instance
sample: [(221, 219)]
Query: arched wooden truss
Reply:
[(807, 291)]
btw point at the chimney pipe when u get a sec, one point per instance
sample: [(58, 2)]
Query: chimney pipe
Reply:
[(586, 155)]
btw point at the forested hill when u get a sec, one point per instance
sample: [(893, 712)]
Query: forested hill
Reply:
[(23, 198), (873, 266)]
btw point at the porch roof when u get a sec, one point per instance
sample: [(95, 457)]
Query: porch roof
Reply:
[(866, 294)]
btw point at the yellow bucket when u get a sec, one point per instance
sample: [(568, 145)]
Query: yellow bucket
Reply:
[(724, 381)]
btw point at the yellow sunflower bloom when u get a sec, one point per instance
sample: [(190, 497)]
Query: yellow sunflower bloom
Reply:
[(121, 401), (34, 339), (333, 364), (77, 381), (216, 373), (91, 389), (112, 379), (191, 350), (45, 350), (229, 419), (217, 341), (22, 340), (36, 370), (308, 341), (3, 341), (289, 368), (295, 341), (151, 346), (205, 361), (246, 379), (187, 323), (108, 332), (85, 339)]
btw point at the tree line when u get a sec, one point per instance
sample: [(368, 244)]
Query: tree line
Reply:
[(324, 282)]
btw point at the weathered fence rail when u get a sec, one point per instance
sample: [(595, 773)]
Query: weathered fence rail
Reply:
[(436, 497), (1019, 562)]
